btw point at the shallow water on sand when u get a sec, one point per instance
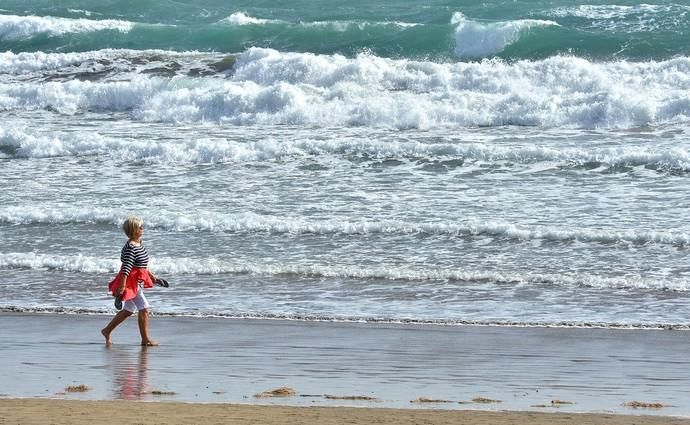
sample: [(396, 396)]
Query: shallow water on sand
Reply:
[(221, 360)]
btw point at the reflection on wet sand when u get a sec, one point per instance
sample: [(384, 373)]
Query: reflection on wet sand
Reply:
[(130, 373), (219, 360)]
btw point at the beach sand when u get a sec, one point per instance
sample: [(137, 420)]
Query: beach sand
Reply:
[(60, 412), (211, 370)]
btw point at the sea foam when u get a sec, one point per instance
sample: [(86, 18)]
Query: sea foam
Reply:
[(214, 266), (646, 18), (269, 87), (241, 18), (204, 221), (343, 26), (21, 142), (26, 62), (13, 27)]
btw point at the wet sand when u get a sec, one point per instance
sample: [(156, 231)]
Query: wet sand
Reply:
[(64, 412), (443, 373)]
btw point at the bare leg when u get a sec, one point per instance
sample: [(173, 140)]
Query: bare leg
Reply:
[(144, 329), (119, 318)]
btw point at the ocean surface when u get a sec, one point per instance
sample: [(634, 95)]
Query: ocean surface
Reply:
[(511, 163)]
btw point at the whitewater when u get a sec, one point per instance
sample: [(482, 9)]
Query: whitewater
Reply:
[(503, 164)]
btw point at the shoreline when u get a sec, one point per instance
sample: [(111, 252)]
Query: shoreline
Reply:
[(69, 412), (334, 364), (362, 321)]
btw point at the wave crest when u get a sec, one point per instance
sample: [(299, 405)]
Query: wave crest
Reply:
[(645, 18), (267, 87), (251, 222), (478, 40), (215, 266), (241, 18), (21, 142), (14, 27)]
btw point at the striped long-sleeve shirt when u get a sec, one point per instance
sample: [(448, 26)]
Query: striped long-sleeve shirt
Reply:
[(133, 256)]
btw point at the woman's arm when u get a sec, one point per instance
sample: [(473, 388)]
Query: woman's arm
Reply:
[(123, 282), (127, 258), (151, 275)]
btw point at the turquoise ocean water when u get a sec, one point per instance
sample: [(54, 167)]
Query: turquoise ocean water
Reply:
[(504, 163)]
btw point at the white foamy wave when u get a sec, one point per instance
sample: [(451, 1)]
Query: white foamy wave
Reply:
[(26, 143), (74, 96), (636, 18), (305, 317), (343, 26), (217, 266), (269, 87), (477, 40), (14, 27), (251, 222), (60, 215), (76, 263), (22, 143), (241, 18), (604, 11), (214, 266), (18, 143), (26, 62), (81, 12)]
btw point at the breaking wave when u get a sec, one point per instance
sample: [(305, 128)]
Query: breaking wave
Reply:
[(251, 222), (22, 142), (14, 27), (216, 266), (267, 87), (477, 40)]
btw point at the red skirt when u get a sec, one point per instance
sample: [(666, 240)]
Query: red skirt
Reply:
[(138, 274)]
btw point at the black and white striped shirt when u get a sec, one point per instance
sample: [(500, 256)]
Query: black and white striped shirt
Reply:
[(133, 256)]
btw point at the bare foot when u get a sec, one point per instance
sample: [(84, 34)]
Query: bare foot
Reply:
[(108, 341), (149, 343)]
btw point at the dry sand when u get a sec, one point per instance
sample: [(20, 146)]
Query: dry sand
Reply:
[(37, 411)]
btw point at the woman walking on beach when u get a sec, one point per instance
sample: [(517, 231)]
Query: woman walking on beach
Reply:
[(128, 286)]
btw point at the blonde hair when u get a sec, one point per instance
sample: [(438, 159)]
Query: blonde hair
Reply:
[(131, 224)]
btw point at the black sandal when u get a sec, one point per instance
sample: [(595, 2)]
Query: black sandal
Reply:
[(118, 303), (162, 282)]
